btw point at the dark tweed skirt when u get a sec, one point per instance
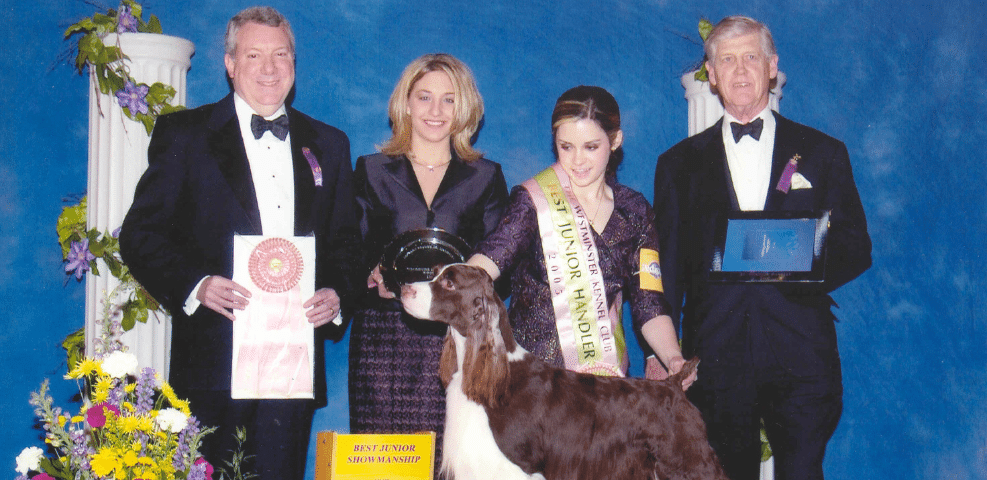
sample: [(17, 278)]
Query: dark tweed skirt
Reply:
[(394, 384)]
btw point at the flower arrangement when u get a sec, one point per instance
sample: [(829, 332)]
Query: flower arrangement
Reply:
[(140, 102), (130, 426)]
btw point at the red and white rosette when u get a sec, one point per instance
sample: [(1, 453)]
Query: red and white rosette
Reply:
[(275, 265)]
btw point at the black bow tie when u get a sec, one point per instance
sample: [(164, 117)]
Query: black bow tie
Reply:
[(753, 129), (278, 126)]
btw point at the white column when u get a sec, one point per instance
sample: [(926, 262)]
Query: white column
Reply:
[(705, 107), (117, 158)]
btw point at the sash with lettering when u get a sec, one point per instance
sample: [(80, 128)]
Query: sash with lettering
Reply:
[(590, 331)]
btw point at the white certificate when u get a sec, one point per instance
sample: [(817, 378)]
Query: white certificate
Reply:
[(273, 342)]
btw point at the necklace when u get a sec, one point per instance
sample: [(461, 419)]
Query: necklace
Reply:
[(431, 168), (599, 203)]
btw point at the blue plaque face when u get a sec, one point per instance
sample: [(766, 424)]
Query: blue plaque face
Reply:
[(770, 247)]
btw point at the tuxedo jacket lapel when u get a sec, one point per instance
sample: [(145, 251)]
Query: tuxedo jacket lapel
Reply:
[(783, 151), (303, 136), (226, 146), (723, 197)]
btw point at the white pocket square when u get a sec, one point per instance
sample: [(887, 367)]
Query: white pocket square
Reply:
[(799, 182)]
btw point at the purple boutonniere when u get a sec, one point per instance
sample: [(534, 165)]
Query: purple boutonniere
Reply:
[(785, 182), (312, 162)]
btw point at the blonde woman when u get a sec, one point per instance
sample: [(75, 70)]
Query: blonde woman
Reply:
[(426, 175)]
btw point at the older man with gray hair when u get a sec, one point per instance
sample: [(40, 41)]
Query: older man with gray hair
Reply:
[(252, 165), (768, 349)]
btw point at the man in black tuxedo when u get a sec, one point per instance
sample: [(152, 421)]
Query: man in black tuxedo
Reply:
[(251, 165), (768, 350)]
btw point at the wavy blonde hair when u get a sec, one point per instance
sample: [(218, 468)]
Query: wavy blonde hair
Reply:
[(467, 113)]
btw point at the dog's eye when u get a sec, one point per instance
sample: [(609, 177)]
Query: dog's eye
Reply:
[(447, 284)]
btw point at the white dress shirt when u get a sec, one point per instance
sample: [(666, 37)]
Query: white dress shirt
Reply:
[(749, 161), (273, 177)]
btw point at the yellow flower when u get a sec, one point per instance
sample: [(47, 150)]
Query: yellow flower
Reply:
[(77, 419), (105, 461), (182, 405), (129, 424), (84, 368), (145, 424), (61, 420), (130, 458), (167, 391)]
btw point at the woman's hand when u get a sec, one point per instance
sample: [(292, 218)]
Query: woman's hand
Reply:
[(377, 280)]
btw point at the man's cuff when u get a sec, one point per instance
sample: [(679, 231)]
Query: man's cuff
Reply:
[(192, 302)]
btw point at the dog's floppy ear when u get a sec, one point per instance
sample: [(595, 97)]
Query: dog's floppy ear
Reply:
[(448, 363), (485, 365), (687, 370)]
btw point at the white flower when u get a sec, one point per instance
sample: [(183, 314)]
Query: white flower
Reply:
[(119, 364), (171, 420), (29, 459)]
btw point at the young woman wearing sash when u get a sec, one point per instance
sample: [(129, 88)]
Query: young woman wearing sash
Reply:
[(575, 242), (426, 175)]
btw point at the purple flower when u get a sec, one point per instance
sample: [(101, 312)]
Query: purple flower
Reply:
[(79, 258), (145, 390), (126, 22), (133, 97), (185, 439)]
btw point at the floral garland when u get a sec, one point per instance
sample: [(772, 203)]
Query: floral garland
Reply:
[(140, 102), (82, 246)]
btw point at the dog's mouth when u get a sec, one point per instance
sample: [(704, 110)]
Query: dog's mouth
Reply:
[(417, 299)]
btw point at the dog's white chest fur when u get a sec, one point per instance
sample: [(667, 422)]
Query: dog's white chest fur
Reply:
[(469, 448)]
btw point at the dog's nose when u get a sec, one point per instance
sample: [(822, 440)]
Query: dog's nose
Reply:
[(407, 291)]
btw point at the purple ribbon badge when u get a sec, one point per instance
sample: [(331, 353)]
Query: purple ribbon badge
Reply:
[(317, 170), (785, 182)]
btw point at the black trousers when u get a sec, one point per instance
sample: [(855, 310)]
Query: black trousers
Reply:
[(800, 415), (277, 433)]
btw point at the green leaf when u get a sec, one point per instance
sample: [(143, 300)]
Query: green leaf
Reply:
[(54, 467), (702, 74), (116, 268), (765, 446), (153, 25), (75, 345), (171, 109), (133, 312), (705, 27)]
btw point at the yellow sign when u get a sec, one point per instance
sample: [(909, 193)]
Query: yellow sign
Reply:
[(650, 271), (374, 457)]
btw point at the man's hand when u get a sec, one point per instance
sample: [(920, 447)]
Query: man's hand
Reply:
[(222, 295), (324, 307)]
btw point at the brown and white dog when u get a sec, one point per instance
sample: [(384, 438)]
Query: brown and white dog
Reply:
[(512, 416)]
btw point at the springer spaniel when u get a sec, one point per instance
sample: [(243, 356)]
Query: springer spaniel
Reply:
[(512, 416)]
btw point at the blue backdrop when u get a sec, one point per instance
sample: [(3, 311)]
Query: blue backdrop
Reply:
[(902, 83)]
